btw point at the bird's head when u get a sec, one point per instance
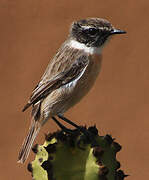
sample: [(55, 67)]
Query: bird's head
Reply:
[(93, 32)]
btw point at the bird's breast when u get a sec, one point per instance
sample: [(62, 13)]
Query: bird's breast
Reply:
[(91, 73)]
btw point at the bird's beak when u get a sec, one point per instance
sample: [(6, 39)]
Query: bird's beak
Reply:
[(117, 31)]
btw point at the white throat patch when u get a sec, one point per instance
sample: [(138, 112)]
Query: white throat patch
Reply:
[(90, 50)]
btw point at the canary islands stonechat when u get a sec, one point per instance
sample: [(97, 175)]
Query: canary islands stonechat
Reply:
[(69, 76)]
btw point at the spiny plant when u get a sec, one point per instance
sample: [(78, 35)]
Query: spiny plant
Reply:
[(76, 156)]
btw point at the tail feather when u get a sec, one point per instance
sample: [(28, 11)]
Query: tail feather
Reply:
[(27, 144)]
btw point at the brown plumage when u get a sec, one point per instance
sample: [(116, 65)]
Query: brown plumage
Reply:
[(69, 76), (66, 73)]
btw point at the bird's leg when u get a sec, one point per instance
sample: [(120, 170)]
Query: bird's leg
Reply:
[(66, 130), (68, 121)]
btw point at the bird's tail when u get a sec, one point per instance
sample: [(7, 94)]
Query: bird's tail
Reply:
[(27, 144)]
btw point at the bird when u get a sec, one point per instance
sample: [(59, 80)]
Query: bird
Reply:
[(69, 76)]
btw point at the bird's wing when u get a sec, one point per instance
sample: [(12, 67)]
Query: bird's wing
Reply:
[(76, 70)]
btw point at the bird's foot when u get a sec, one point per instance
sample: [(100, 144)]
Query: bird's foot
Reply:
[(88, 136), (63, 128)]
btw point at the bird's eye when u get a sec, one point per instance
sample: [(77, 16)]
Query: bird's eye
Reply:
[(91, 31)]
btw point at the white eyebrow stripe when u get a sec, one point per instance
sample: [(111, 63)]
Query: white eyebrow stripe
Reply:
[(87, 27), (100, 28)]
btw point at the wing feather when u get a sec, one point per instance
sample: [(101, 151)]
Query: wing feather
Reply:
[(45, 88)]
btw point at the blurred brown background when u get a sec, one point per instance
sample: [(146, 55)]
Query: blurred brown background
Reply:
[(30, 33)]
